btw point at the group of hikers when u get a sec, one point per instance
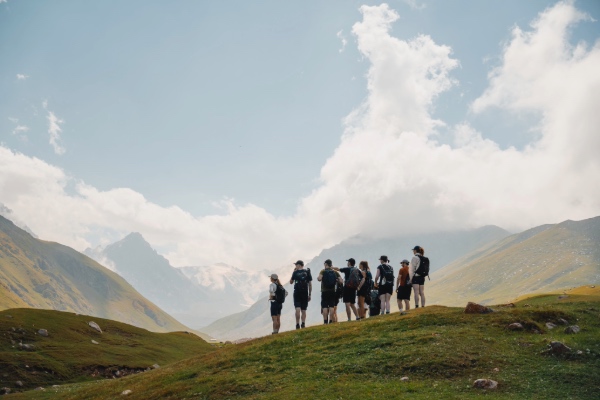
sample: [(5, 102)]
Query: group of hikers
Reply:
[(373, 294)]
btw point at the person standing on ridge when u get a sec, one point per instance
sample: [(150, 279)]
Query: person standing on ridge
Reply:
[(418, 270), (302, 280), (403, 287), (364, 288), (276, 297), (329, 280), (350, 285), (385, 285)]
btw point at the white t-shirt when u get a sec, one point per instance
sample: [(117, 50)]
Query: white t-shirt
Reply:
[(272, 289)]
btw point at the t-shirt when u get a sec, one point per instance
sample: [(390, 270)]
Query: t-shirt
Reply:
[(296, 278), (403, 275), (382, 274), (337, 276), (272, 289)]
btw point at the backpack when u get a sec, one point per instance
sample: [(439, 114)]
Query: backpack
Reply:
[(280, 294), (302, 278), (329, 279), (388, 274), (354, 279), (375, 300), (423, 269)]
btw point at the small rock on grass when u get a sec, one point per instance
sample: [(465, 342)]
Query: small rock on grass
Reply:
[(557, 348), (515, 326), (404, 379), (39, 388), (572, 329), (563, 321), (43, 332), (94, 342), (485, 384), (95, 326), (156, 366), (474, 308), (550, 325), (19, 383), (126, 392), (564, 296), (5, 390)]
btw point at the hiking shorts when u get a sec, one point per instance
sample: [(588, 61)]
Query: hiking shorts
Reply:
[(349, 295), (301, 300), (329, 299), (276, 308), (404, 292), (386, 289), (418, 280)]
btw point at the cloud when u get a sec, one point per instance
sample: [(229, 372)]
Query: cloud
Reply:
[(55, 130), (414, 4), (21, 77), (19, 129), (341, 36), (389, 174)]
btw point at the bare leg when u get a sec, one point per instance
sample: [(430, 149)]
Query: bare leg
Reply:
[(353, 307), (303, 316), (325, 312), (335, 319), (332, 315), (400, 305), (382, 298), (416, 294), (297, 315), (277, 323), (348, 310), (407, 304), (422, 292), (361, 307)]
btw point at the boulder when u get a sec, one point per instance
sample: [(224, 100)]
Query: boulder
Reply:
[(404, 379), (39, 388), (43, 332), (28, 347), (94, 342), (156, 366), (557, 348), (19, 383), (550, 325), (126, 392), (515, 326), (485, 384), (572, 329), (95, 326), (474, 308), (564, 296), (5, 390), (563, 321)]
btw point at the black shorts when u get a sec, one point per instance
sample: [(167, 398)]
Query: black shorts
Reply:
[(404, 292), (349, 295), (276, 308), (386, 289), (301, 299), (418, 280), (329, 299)]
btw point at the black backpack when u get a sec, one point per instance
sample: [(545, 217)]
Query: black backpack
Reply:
[(302, 278), (354, 278), (280, 294), (423, 269), (388, 274), (329, 279)]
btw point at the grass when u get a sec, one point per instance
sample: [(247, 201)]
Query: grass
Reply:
[(68, 354), (441, 350)]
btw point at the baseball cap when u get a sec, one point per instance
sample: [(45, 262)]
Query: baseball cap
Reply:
[(274, 276), (416, 248), (299, 262), (383, 258), (351, 260), (404, 262), (328, 262)]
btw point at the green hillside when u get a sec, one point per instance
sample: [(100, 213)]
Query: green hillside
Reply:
[(441, 350), (39, 274), (540, 260), (68, 354)]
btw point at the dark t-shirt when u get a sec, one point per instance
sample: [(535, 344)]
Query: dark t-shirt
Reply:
[(297, 275), (382, 273)]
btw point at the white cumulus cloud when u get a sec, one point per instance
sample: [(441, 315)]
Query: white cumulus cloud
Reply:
[(389, 174), (22, 77), (54, 129), (341, 36)]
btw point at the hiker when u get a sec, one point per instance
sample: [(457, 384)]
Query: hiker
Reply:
[(302, 280), (329, 280), (385, 277), (418, 270), (276, 291), (352, 278), (364, 289), (403, 286)]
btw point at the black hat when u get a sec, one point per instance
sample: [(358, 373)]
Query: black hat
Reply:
[(351, 261), (328, 262), (299, 262), (417, 248), (383, 258)]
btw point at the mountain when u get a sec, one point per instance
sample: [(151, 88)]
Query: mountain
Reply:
[(68, 354), (441, 351), (39, 274), (441, 248), (542, 259)]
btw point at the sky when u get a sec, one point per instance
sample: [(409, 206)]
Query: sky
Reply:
[(257, 133)]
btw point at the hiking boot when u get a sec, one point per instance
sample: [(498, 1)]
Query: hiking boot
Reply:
[(325, 322), (417, 306), (303, 326), (297, 326), (387, 312)]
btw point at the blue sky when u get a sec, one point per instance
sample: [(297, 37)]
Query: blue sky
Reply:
[(191, 102)]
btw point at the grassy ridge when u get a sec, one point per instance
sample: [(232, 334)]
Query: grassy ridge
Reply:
[(442, 350), (68, 354)]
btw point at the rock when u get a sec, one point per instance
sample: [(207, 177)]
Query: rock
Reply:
[(228, 342), (564, 296), (572, 329), (590, 286), (5, 390), (95, 326), (404, 379), (563, 321), (126, 392), (550, 325), (485, 384), (156, 366), (557, 348), (117, 373), (28, 347), (94, 342), (579, 352), (496, 369), (43, 332), (515, 326), (19, 383), (39, 388), (474, 308), (10, 316)]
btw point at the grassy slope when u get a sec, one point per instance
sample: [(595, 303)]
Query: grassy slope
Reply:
[(68, 354), (48, 275), (442, 350), (540, 260)]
